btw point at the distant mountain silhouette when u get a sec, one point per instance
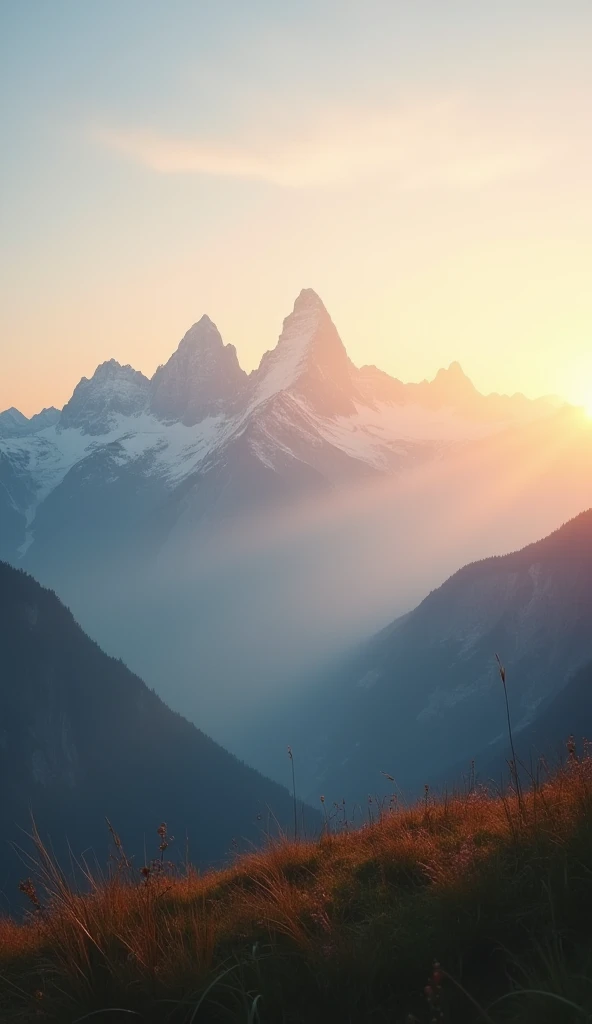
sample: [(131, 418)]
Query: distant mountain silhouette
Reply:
[(425, 693), (82, 738), (14, 424)]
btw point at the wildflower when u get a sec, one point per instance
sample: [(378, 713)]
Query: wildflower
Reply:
[(165, 839)]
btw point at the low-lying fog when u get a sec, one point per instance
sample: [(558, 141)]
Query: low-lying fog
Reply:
[(233, 623)]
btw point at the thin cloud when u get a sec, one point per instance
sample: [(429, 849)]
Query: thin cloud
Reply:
[(439, 145)]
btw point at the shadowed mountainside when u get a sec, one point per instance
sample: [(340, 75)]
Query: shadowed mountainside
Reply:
[(424, 693), (82, 738)]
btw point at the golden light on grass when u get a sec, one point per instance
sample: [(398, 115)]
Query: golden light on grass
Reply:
[(353, 917)]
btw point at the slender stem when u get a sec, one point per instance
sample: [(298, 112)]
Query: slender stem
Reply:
[(291, 756), (510, 727), (514, 762)]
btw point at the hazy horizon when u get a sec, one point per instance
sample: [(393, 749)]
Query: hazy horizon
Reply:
[(29, 411)]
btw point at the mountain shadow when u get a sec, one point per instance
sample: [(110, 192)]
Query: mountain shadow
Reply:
[(82, 738)]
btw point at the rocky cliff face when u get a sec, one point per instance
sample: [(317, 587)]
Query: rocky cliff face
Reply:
[(113, 391), (202, 378), (309, 361)]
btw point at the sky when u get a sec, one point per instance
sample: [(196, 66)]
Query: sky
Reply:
[(424, 166)]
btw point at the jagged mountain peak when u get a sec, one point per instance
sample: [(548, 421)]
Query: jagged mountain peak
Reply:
[(48, 417), (309, 360), (309, 299), (113, 390), (112, 369), (202, 378), (14, 413), (13, 423), (203, 333), (453, 382)]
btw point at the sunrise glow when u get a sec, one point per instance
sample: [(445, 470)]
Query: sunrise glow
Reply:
[(296, 511), (441, 213)]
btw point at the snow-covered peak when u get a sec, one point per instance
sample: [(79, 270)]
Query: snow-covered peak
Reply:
[(46, 418), (113, 390), (202, 378), (309, 359), (13, 423)]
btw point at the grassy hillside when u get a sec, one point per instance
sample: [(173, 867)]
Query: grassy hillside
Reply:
[(345, 928)]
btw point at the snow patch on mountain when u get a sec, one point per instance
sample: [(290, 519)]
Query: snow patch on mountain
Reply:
[(113, 390), (46, 458), (414, 422), (281, 367)]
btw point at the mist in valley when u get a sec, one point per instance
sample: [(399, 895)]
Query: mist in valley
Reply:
[(238, 624)]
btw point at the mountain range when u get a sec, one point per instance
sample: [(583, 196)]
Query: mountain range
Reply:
[(228, 534), (15, 424), (206, 439)]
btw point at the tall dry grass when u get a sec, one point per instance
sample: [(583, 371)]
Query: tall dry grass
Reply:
[(345, 928)]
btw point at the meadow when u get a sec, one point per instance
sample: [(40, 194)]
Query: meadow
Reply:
[(463, 908)]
